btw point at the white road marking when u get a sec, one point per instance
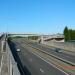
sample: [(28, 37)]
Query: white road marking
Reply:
[(42, 70), (51, 64)]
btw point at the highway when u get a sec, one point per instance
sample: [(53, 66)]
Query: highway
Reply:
[(34, 64), (62, 55)]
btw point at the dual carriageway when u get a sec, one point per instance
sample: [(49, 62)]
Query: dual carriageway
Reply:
[(38, 59)]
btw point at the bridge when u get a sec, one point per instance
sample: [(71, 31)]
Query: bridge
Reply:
[(55, 37)]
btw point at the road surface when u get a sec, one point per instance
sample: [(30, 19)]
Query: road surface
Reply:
[(62, 55), (34, 64)]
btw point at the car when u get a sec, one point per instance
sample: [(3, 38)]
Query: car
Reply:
[(18, 50), (58, 50)]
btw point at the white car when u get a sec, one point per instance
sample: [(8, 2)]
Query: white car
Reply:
[(18, 50)]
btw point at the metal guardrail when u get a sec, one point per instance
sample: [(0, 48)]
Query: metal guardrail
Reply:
[(13, 69)]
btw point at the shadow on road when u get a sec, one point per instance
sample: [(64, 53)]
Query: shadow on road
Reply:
[(23, 69)]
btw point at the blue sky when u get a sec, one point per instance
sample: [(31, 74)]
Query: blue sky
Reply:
[(36, 16)]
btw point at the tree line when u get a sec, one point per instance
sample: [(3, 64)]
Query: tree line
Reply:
[(33, 37), (69, 34)]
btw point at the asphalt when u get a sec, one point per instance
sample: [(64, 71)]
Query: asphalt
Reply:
[(62, 55), (33, 64)]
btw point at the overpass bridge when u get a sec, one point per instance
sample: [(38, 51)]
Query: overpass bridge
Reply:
[(22, 34), (55, 37)]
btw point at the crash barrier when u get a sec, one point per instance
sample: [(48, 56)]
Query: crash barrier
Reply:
[(63, 45)]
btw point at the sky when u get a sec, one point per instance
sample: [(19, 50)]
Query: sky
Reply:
[(36, 16)]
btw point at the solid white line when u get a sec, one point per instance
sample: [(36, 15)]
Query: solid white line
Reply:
[(51, 64), (1, 64)]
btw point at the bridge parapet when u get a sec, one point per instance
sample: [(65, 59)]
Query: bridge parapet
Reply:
[(8, 64)]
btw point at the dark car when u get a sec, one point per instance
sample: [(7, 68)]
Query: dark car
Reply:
[(58, 50)]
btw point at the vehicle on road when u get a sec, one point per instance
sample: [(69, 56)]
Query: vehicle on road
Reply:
[(18, 50), (58, 50)]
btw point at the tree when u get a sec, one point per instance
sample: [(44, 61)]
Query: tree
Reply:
[(33, 37), (66, 33), (73, 34), (69, 34)]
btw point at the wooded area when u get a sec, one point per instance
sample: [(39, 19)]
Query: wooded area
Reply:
[(69, 34)]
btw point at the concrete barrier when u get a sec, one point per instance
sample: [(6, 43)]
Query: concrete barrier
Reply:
[(63, 45)]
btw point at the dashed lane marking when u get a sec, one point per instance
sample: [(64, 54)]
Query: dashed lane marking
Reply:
[(42, 70)]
